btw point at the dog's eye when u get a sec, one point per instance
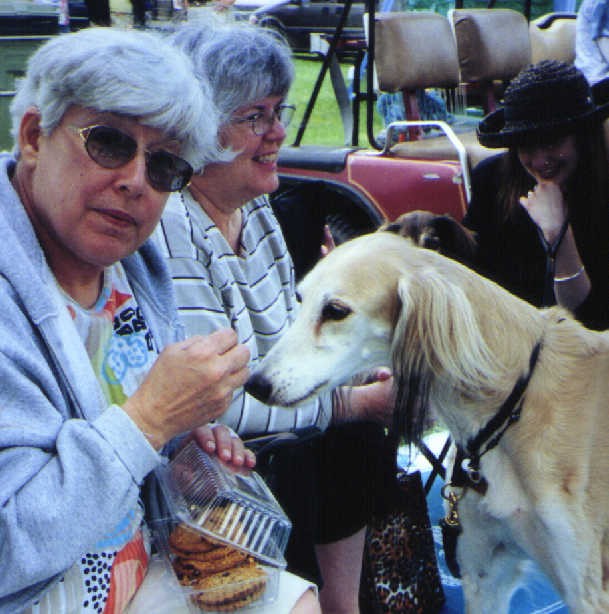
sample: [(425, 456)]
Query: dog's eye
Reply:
[(335, 311), (298, 297)]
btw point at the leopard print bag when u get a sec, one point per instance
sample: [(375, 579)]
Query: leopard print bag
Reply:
[(400, 570)]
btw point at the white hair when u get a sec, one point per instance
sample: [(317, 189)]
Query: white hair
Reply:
[(243, 63), (125, 72)]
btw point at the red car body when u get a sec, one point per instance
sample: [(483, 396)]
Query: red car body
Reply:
[(387, 185)]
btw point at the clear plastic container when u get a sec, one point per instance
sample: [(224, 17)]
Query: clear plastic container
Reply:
[(233, 506), (236, 586)]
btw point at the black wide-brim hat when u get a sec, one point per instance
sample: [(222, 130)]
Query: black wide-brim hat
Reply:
[(545, 101)]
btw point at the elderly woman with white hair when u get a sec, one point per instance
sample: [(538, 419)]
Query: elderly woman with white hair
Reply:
[(96, 374), (231, 267)]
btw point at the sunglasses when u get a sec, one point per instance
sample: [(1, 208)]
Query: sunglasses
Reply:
[(111, 148)]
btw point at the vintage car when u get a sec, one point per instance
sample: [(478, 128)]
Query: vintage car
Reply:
[(298, 19), (422, 164), (353, 188)]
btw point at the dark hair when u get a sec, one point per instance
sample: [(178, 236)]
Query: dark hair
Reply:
[(587, 194)]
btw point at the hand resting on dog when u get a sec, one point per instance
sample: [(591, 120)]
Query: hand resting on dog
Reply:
[(371, 397)]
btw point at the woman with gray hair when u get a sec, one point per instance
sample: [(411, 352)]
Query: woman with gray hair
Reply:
[(231, 267), (96, 375), (68, 74)]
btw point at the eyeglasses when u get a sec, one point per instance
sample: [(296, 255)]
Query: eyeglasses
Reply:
[(261, 123), (111, 148)]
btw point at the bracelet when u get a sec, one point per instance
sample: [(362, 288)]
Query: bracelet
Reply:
[(559, 280)]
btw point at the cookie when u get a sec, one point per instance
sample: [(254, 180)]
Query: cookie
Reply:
[(230, 606), (186, 539), (231, 589), (185, 577), (189, 566), (189, 554), (219, 552)]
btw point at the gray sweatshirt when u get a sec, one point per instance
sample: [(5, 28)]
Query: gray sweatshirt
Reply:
[(70, 466)]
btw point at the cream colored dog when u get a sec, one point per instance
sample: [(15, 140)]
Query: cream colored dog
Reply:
[(460, 342)]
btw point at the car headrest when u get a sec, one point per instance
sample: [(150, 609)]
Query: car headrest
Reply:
[(414, 50), (492, 44), (553, 38)]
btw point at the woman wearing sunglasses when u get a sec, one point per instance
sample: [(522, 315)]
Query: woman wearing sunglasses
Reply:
[(231, 267), (95, 375)]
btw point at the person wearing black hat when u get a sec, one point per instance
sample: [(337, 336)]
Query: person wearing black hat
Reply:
[(541, 208)]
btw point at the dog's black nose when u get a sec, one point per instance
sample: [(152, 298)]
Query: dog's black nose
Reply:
[(259, 386)]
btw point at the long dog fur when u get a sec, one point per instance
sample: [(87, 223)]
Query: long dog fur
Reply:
[(459, 342)]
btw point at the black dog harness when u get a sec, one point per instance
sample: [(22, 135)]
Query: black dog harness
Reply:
[(466, 470)]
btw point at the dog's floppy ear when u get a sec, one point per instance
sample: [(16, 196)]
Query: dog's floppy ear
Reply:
[(436, 335), (394, 227), (455, 241)]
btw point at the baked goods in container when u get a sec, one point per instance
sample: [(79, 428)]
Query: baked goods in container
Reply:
[(196, 566), (227, 531), (227, 504), (186, 539), (232, 589), (222, 578)]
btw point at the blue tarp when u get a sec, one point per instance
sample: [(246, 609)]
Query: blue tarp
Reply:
[(536, 596)]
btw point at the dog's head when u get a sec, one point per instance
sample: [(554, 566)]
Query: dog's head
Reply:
[(378, 300), (344, 326), (440, 233)]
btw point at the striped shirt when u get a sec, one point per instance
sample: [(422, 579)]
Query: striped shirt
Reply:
[(252, 292)]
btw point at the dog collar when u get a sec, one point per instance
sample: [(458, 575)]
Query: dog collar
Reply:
[(466, 469), (490, 435)]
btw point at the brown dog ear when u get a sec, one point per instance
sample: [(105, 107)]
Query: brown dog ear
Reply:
[(455, 241), (394, 227)]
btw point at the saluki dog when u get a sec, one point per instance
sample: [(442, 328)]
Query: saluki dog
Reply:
[(524, 393)]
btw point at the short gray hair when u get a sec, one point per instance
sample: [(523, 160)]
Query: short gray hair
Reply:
[(125, 72), (243, 62)]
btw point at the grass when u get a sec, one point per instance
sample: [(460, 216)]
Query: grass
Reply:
[(325, 124)]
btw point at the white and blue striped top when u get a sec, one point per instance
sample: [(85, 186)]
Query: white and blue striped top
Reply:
[(252, 292)]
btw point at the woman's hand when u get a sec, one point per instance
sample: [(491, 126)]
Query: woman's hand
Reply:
[(190, 384), (374, 400), (546, 206), (225, 443), (328, 243)]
